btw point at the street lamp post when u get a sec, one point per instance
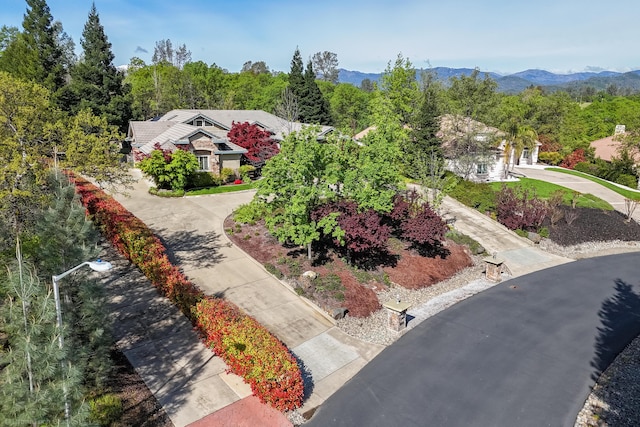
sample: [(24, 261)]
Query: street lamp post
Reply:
[(98, 265)]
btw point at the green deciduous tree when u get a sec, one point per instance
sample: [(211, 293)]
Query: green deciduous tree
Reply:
[(375, 177), (398, 83), (36, 54), (294, 182), (349, 107), (25, 116), (472, 96), (170, 170), (92, 148)]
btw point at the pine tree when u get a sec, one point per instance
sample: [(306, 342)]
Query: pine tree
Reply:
[(36, 380), (38, 376), (95, 81), (424, 147), (296, 77), (36, 54), (314, 108)]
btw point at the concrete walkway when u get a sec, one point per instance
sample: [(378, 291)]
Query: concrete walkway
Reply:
[(580, 184), (520, 255), (192, 230)]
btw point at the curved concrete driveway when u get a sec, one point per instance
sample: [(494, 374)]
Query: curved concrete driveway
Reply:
[(523, 353), (577, 183), (192, 230)]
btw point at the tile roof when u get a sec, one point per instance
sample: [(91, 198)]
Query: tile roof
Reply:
[(609, 147), (277, 126), (143, 132)]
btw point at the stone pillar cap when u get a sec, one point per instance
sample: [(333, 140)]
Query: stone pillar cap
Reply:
[(396, 305)]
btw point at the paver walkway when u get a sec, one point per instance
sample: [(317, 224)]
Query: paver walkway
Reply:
[(192, 230)]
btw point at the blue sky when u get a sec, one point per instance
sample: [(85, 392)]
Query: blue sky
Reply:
[(494, 35)]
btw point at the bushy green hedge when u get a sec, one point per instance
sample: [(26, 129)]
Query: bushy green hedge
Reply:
[(479, 196), (248, 348), (204, 180)]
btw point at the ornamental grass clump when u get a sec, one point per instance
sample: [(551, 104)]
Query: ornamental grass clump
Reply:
[(247, 347)]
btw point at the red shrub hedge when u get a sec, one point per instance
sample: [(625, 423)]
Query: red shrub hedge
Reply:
[(248, 348), (250, 351)]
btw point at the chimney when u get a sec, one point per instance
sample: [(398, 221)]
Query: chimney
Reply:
[(620, 129)]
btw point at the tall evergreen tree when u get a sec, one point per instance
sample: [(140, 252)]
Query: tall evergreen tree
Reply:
[(95, 81), (296, 76), (423, 148), (36, 53), (314, 108)]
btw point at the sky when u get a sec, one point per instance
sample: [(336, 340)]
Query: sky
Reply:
[(503, 36)]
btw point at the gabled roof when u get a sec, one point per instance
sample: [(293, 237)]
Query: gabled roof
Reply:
[(454, 127), (277, 126), (180, 133), (143, 132)]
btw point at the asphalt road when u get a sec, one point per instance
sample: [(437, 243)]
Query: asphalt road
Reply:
[(523, 353)]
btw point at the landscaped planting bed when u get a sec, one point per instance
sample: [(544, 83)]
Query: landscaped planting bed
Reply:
[(249, 349), (340, 285)]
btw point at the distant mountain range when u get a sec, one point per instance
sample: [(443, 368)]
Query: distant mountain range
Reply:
[(517, 82)]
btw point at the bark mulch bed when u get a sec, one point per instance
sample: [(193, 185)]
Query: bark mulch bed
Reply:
[(339, 285), (581, 225)]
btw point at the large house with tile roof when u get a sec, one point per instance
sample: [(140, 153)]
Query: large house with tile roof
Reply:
[(204, 133)]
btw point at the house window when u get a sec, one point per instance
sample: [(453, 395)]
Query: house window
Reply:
[(199, 123), (482, 169), (525, 153), (204, 163)]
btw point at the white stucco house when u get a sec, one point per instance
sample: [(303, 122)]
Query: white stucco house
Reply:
[(478, 152)]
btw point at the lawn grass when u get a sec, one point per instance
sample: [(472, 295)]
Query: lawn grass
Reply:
[(222, 189), (545, 190), (629, 194)]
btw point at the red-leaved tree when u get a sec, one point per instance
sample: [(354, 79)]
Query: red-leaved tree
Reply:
[(414, 221), (365, 235), (573, 159), (520, 211), (259, 144)]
